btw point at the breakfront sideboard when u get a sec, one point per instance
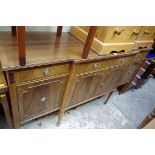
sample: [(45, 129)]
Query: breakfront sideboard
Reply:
[(47, 71)]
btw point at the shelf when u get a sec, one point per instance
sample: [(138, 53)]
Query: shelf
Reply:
[(41, 47)]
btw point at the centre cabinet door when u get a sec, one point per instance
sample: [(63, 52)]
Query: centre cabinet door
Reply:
[(40, 97), (111, 80), (85, 86)]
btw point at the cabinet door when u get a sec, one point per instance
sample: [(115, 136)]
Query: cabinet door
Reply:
[(38, 98), (111, 80), (85, 87), (131, 70)]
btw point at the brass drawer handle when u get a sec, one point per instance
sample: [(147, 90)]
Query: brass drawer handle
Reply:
[(43, 100), (147, 32), (46, 72), (135, 32), (43, 103), (118, 31), (95, 66)]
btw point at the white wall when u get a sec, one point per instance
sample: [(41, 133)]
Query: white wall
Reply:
[(37, 28)]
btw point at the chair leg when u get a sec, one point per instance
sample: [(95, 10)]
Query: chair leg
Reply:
[(6, 110), (108, 97)]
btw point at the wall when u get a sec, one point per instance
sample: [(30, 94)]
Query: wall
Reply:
[(37, 28)]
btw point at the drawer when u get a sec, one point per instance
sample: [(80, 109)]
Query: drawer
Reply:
[(111, 34), (40, 72), (147, 33), (93, 66), (122, 34)]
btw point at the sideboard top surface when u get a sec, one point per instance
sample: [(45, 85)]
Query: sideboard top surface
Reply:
[(44, 48)]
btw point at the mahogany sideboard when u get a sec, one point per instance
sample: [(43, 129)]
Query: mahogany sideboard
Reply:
[(56, 77)]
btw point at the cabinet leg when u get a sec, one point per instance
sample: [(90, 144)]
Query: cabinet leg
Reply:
[(6, 110), (108, 97), (60, 117)]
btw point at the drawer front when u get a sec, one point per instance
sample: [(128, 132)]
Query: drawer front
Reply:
[(122, 34), (40, 72), (41, 97), (111, 34), (93, 66), (147, 33)]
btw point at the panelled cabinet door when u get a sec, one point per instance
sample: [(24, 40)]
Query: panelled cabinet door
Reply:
[(84, 87), (111, 81), (131, 71), (40, 97)]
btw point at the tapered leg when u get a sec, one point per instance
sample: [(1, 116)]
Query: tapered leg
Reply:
[(66, 94), (6, 110), (60, 117), (108, 97)]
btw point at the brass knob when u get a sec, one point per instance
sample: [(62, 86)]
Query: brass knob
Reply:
[(46, 72), (43, 100), (147, 32), (118, 31), (135, 32), (95, 66)]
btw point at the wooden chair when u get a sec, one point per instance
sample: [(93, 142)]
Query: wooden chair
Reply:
[(3, 99)]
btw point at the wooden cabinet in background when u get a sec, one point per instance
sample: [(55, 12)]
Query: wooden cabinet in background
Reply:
[(145, 37), (110, 38)]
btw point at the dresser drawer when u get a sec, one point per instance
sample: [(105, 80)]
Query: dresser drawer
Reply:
[(147, 33), (40, 72), (92, 66), (122, 34), (111, 34)]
